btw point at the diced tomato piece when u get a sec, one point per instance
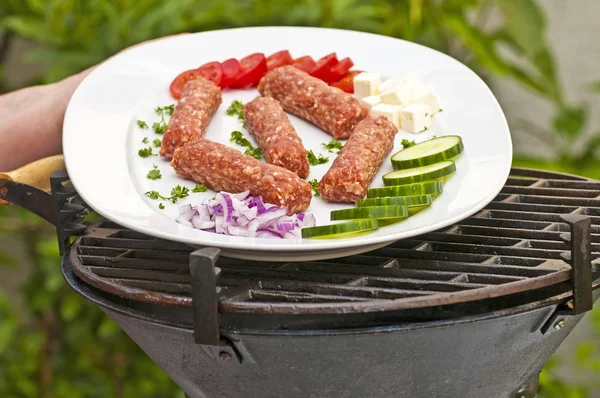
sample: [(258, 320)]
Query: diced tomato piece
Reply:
[(278, 59), (231, 71), (324, 66), (350, 76), (254, 67), (212, 71), (179, 82), (340, 69), (347, 86), (306, 63)]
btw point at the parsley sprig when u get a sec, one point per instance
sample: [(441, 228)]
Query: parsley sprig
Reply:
[(333, 145), (238, 138), (145, 140), (199, 188), (177, 193), (161, 127), (142, 124), (315, 186), (156, 142), (145, 152), (154, 174), (236, 109), (407, 144), (315, 160)]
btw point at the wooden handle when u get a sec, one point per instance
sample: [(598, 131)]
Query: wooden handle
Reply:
[(36, 174)]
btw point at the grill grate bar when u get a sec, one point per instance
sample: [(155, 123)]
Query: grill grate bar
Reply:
[(513, 245)]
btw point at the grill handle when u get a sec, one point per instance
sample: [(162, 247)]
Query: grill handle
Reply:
[(36, 174)]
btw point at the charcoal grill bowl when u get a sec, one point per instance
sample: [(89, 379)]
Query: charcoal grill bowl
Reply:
[(490, 355)]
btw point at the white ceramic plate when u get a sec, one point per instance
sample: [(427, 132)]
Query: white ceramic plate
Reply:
[(101, 137)]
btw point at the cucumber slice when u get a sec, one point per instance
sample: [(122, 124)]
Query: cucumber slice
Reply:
[(423, 188), (428, 152), (340, 230), (377, 212), (408, 201), (418, 174)]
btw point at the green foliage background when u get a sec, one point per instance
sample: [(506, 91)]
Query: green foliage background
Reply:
[(60, 346)]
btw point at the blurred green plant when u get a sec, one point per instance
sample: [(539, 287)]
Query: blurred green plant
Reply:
[(61, 346)]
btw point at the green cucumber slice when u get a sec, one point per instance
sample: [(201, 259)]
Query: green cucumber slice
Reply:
[(428, 152), (377, 212), (408, 201), (422, 188), (418, 174), (341, 230)]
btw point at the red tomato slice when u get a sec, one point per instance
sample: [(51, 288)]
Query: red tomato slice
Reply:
[(323, 70), (179, 82), (278, 59), (350, 76), (340, 69), (212, 71), (254, 67), (306, 63), (344, 86), (231, 70)]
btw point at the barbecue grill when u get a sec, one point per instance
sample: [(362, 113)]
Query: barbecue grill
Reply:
[(473, 310)]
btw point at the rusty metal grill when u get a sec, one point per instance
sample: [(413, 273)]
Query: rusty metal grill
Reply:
[(514, 245)]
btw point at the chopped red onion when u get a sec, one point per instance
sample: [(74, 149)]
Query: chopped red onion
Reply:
[(242, 214)]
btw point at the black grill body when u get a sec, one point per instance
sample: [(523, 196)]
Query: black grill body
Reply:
[(498, 354)]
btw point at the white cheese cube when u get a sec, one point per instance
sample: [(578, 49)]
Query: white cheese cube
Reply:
[(366, 84), (399, 93), (415, 118), (425, 94), (391, 112), (371, 100)]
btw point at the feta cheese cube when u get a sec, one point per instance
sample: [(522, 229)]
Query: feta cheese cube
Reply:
[(371, 100), (366, 84), (415, 118), (425, 94), (398, 93), (391, 112)]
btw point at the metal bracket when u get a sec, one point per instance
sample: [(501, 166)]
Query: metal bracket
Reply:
[(69, 215), (204, 276), (580, 258)]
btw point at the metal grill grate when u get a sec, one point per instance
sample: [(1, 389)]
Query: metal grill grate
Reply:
[(514, 245)]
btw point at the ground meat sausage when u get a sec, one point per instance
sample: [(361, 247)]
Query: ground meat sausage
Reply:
[(275, 135), (312, 99), (225, 169), (199, 101), (359, 160)]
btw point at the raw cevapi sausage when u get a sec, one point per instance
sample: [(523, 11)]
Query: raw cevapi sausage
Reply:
[(312, 99), (275, 135), (225, 169), (199, 101), (359, 160)]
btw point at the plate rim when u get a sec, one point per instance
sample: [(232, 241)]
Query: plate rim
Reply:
[(293, 246)]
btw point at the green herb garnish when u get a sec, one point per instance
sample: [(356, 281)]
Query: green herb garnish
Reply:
[(142, 124), (178, 192), (316, 160), (159, 127), (407, 144), (154, 174), (169, 109), (145, 140), (238, 138), (145, 152), (315, 186), (156, 142), (236, 109), (161, 206), (333, 144), (199, 188)]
